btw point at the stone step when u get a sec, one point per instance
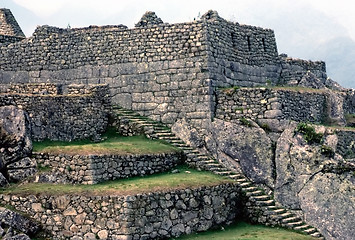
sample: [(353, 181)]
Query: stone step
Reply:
[(266, 202), (302, 227), (241, 180), (250, 189), (207, 161), (310, 230), (279, 211), (260, 198), (294, 224), (223, 173), (286, 215), (255, 193), (245, 184), (217, 169), (290, 219), (165, 134), (316, 235)]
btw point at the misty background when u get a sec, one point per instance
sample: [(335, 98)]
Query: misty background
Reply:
[(307, 29)]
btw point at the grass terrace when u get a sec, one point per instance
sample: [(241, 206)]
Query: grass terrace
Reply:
[(244, 231), (184, 178), (113, 144)]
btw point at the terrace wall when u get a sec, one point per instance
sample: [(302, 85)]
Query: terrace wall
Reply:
[(62, 117), (92, 169), (157, 215)]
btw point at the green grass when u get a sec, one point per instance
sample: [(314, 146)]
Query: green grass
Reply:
[(244, 231), (112, 144), (186, 178)]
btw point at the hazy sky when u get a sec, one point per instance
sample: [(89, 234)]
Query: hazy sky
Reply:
[(302, 27)]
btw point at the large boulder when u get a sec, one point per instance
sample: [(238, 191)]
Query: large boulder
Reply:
[(328, 203), (17, 222), (16, 144), (239, 147), (315, 180)]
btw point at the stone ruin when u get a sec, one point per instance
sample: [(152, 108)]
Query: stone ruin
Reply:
[(221, 86)]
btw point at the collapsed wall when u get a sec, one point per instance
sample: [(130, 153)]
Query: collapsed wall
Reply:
[(61, 117)]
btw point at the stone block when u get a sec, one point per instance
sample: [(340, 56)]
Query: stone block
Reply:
[(270, 114)]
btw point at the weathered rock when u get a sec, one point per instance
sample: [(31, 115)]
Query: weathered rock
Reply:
[(310, 80), (328, 203), (335, 111), (239, 147), (18, 222), (14, 135), (316, 182), (16, 144), (18, 237), (3, 181)]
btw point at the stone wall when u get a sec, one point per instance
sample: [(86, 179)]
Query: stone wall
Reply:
[(35, 88), (62, 117), (293, 70), (264, 103), (9, 25), (5, 40), (92, 169), (158, 70), (240, 55), (157, 215)]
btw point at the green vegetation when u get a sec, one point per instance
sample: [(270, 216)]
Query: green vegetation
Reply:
[(245, 122), (350, 120), (327, 151), (112, 144), (185, 178), (309, 133), (266, 127), (244, 231)]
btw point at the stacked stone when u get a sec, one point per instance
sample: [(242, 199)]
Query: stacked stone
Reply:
[(149, 18), (293, 70), (36, 88), (155, 215), (279, 104), (92, 169), (63, 117), (240, 55), (10, 31)]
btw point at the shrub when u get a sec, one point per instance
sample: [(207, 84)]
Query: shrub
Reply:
[(309, 133), (245, 122), (327, 151)]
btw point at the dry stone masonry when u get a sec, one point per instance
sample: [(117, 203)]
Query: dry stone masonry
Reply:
[(221, 86), (158, 215), (92, 169), (76, 115)]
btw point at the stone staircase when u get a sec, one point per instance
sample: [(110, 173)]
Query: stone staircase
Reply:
[(259, 202)]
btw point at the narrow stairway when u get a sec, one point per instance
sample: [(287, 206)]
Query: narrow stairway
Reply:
[(256, 196)]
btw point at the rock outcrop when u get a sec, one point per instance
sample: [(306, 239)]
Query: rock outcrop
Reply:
[(16, 144), (16, 225), (240, 147), (315, 180)]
